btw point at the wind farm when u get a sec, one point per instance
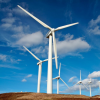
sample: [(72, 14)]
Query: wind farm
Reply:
[(44, 45)]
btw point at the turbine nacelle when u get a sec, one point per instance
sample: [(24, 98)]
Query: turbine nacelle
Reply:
[(50, 32), (89, 82), (56, 77), (79, 82), (39, 62)]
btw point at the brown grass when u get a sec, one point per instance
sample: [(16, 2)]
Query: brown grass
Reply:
[(44, 96)]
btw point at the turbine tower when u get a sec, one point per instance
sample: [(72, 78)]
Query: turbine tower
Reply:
[(50, 34), (80, 83), (40, 68), (89, 82), (58, 77), (99, 84)]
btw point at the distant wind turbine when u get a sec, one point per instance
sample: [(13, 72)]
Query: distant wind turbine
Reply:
[(58, 77), (80, 82), (99, 84), (50, 34), (40, 68), (90, 82)]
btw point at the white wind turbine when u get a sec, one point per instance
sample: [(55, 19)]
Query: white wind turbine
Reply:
[(49, 35), (80, 83), (89, 82), (40, 68), (99, 84), (58, 77)]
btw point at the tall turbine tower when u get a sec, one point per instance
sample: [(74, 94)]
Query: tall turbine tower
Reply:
[(80, 83), (40, 68), (50, 34), (89, 82), (58, 77)]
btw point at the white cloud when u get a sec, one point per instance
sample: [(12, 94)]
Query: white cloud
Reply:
[(4, 1), (19, 60), (94, 74), (94, 26), (94, 23), (10, 10), (24, 80), (31, 39), (30, 75), (9, 20), (8, 66), (8, 58), (69, 45), (3, 57), (71, 79), (21, 37), (19, 11), (39, 50), (6, 25), (75, 88)]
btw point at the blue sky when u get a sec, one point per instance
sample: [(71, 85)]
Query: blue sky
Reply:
[(77, 46)]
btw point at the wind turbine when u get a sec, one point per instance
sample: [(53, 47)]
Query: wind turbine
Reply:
[(58, 77), (99, 84), (89, 82), (49, 35), (40, 68), (80, 82)]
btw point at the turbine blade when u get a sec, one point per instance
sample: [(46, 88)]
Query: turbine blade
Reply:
[(42, 23), (55, 50), (80, 75), (76, 84), (85, 86), (65, 26), (64, 83), (47, 59), (54, 78), (32, 54), (59, 69), (90, 78)]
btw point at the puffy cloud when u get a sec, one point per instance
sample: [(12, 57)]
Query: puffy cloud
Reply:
[(9, 20), (71, 79), (30, 75), (24, 80), (19, 11), (8, 58), (40, 49), (3, 57), (95, 74), (94, 26), (74, 88), (31, 39), (69, 45), (94, 23), (8, 24), (22, 37), (15, 10)]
